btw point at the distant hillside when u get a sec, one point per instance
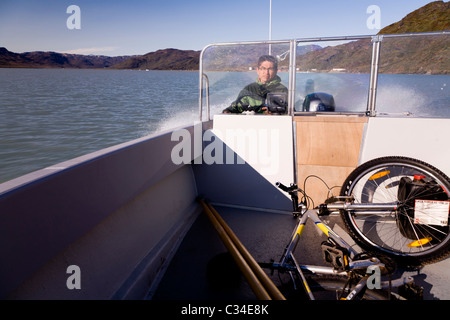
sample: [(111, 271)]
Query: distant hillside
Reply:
[(401, 55), (354, 56), (434, 16), (243, 57), (39, 59), (167, 59)]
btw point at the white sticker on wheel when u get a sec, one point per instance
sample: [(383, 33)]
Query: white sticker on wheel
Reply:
[(431, 212)]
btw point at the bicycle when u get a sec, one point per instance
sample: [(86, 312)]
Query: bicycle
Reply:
[(393, 207), (346, 278)]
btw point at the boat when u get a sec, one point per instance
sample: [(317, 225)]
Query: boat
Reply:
[(125, 222)]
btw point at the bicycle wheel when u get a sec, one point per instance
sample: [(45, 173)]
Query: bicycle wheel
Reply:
[(418, 229)]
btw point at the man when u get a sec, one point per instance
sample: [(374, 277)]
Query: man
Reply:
[(253, 96)]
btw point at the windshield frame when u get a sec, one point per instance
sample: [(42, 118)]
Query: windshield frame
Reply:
[(293, 43)]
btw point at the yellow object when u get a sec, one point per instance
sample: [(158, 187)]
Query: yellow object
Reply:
[(379, 175), (419, 242)]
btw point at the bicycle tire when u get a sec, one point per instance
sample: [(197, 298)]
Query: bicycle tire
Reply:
[(400, 234)]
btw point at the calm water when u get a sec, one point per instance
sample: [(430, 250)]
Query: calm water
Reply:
[(51, 115)]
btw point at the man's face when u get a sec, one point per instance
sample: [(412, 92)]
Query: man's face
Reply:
[(266, 72)]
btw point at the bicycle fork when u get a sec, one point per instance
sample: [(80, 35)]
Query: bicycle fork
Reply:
[(288, 255)]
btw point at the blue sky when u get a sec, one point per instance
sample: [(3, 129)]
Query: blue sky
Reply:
[(136, 26)]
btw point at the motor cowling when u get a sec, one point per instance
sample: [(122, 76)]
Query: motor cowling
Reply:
[(319, 101)]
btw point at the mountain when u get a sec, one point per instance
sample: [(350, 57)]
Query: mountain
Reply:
[(39, 59), (167, 59), (11, 59), (431, 54), (434, 16), (355, 57), (244, 57), (398, 55)]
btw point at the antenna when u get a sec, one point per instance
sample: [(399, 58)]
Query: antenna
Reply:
[(270, 26)]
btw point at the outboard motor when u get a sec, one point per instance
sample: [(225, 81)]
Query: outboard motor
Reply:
[(319, 101)]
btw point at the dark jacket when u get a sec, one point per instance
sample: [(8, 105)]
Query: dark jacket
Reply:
[(253, 96)]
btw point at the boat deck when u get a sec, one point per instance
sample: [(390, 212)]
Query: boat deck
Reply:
[(264, 235)]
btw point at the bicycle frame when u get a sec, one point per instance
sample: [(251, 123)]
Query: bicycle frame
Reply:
[(319, 224), (288, 254), (347, 265)]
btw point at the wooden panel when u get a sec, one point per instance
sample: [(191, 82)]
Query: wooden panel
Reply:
[(348, 119), (327, 147), (315, 188), (329, 143)]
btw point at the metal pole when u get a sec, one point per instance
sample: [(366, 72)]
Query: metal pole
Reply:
[(259, 272), (291, 102), (249, 275), (261, 284), (292, 76), (270, 26), (374, 75), (200, 86)]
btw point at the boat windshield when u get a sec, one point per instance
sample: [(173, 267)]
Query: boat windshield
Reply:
[(389, 75)]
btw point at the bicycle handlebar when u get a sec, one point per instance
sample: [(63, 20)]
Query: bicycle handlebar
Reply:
[(282, 186), (292, 192), (293, 187)]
